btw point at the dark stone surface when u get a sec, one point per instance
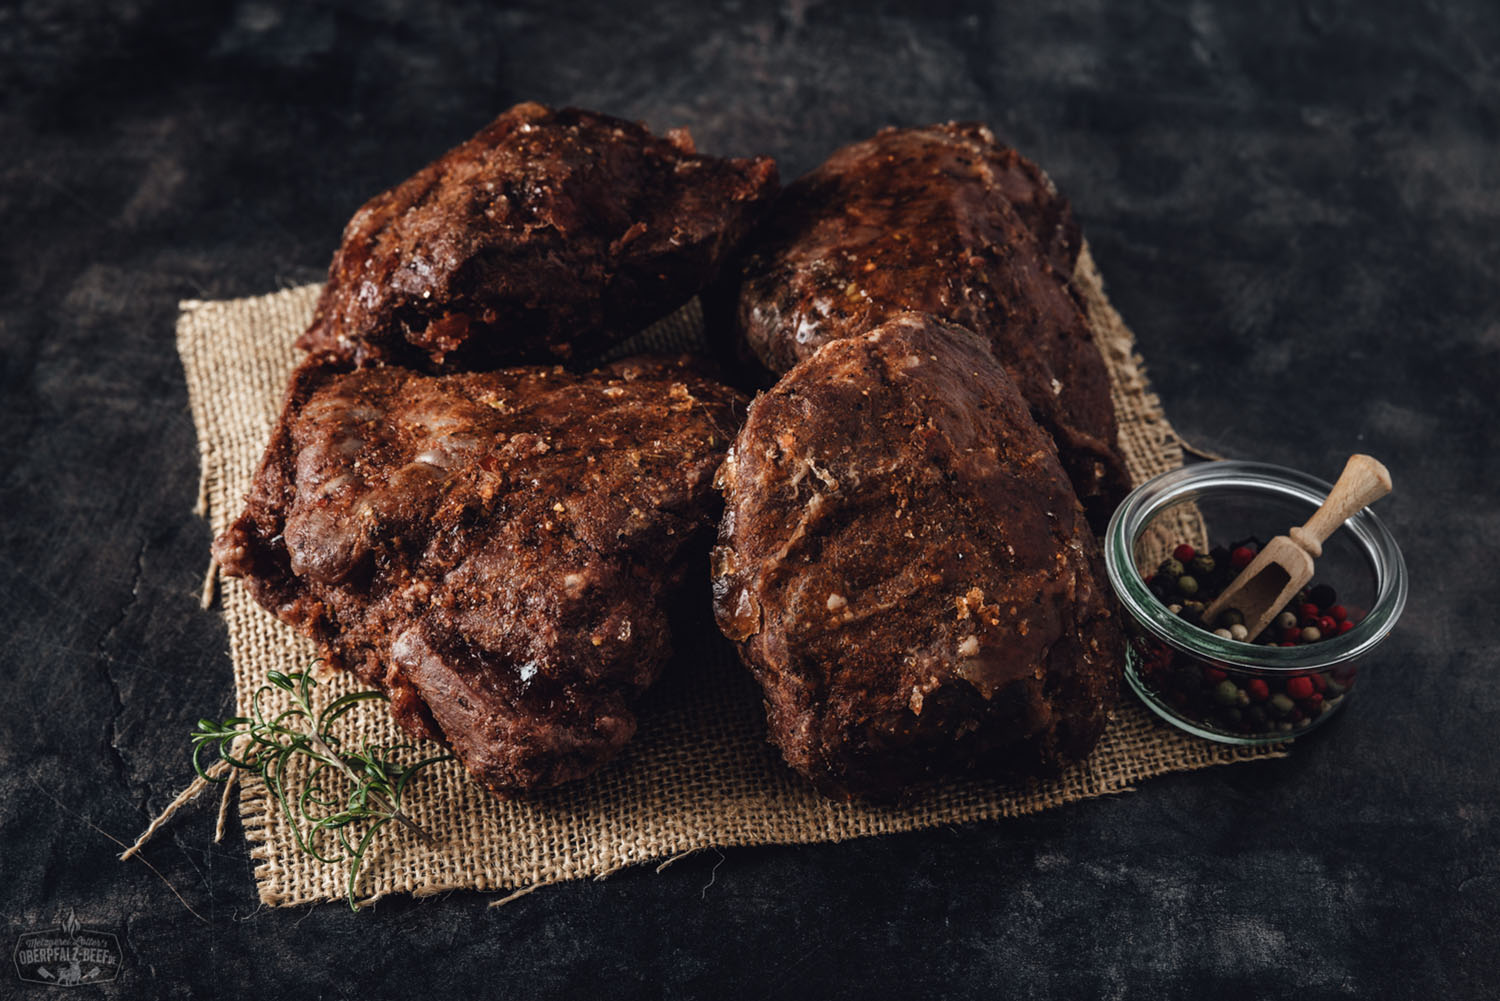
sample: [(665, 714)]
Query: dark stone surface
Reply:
[(1297, 206)]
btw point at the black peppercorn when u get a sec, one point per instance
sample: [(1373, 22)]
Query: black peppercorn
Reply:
[(1323, 596)]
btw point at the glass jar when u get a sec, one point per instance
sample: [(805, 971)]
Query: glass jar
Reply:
[(1225, 689)]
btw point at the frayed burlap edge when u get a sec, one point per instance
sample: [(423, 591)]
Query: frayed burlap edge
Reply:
[(699, 773)]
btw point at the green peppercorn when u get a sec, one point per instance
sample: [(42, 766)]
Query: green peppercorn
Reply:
[(1226, 693), (1231, 617), (1187, 585), (1282, 705), (1202, 565), (1171, 569)]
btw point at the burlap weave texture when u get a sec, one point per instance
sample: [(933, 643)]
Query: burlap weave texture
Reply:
[(699, 773)]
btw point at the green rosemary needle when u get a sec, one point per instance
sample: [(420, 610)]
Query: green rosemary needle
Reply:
[(348, 795)]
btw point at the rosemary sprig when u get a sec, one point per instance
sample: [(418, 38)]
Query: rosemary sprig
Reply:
[(351, 811)]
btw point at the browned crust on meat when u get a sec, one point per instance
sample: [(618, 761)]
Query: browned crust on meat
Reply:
[(940, 220), (498, 551), (547, 236), (906, 570)]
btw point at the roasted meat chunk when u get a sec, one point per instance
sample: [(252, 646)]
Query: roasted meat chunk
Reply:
[(906, 570), (940, 220), (498, 551), (547, 236)]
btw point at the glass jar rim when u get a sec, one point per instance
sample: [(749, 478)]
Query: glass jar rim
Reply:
[(1149, 499)]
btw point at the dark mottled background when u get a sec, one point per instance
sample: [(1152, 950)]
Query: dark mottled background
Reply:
[(1297, 207)]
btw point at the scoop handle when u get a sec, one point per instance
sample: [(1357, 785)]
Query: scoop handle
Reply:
[(1363, 481)]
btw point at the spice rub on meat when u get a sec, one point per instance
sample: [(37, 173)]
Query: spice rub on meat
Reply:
[(940, 220), (547, 236), (498, 551), (906, 570)]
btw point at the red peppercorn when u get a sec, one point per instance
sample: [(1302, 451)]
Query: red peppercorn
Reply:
[(1345, 626), (1213, 675), (1288, 644), (1339, 613), (1299, 688), (1312, 702), (1319, 682), (1326, 625), (1184, 553), (1241, 557), (1258, 690), (1308, 611), (1290, 635)]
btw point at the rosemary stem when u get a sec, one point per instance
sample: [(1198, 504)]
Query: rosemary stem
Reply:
[(390, 809), (266, 740)]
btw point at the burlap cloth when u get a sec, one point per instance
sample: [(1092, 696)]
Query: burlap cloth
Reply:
[(699, 773)]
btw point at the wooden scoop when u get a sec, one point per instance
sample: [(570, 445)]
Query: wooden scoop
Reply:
[(1286, 564)]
